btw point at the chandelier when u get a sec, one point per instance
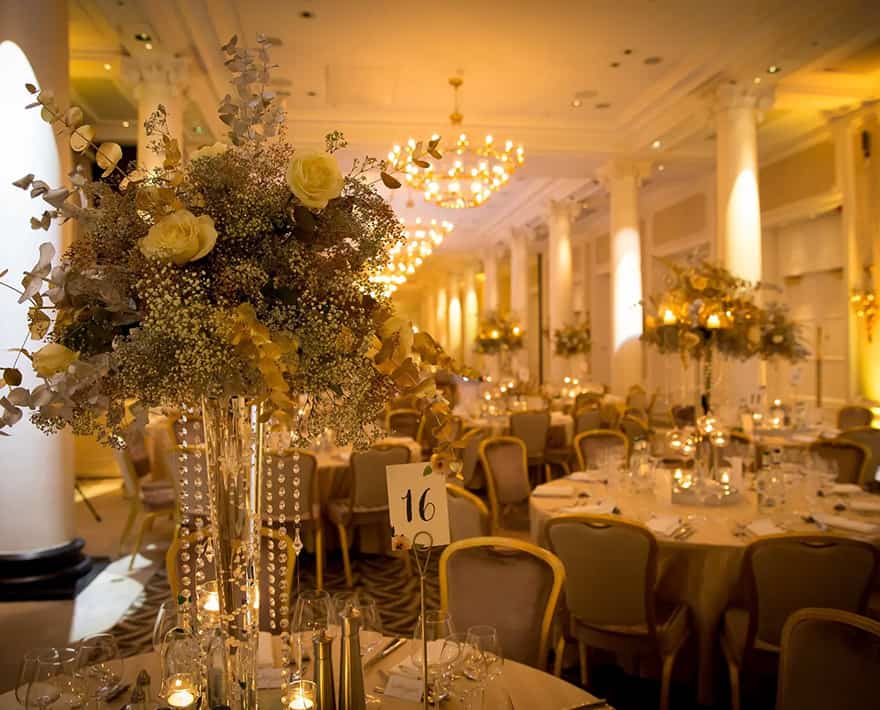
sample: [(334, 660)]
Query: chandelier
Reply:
[(467, 174), (418, 241)]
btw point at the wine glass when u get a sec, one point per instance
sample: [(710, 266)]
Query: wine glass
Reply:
[(483, 658), (99, 662), (54, 683), (166, 619), (371, 620), (312, 613), (27, 669), (438, 628)]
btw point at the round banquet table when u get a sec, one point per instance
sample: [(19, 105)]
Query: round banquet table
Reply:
[(703, 570), (500, 424), (526, 686)]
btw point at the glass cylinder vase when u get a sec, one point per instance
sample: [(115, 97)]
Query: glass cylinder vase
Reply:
[(234, 454)]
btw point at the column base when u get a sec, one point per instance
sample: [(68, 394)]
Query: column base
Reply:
[(55, 574)]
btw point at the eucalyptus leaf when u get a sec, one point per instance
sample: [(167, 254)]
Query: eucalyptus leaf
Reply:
[(392, 183), (12, 376)]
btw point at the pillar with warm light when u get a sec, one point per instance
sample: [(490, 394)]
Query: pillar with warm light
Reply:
[(559, 275), (519, 285), (471, 310), (454, 317), (156, 79), (441, 318), (738, 207), (490, 280), (37, 527), (622, 178)]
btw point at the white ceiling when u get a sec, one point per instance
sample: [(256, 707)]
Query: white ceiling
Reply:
[(378, 71)]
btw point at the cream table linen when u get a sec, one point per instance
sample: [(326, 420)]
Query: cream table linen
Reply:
[(702, 571)]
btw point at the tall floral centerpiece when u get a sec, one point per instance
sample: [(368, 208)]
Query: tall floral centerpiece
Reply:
[(500, 336), (706, 309), (574, 340), (237, 287)]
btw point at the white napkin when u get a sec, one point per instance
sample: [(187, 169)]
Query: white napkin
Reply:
[(548, 490), (830, 433), (589, 476), (865, 506), (803, 438), (843, 489), (838, 521), (664, 524), (602, 507), (763, 526), (265, 653), (407, 667)]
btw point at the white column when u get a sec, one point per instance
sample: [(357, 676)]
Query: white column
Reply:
[(157, 79), (738, 208), (471, 316), (490, 280), (519, 286), (441, 334), (622, 179), (454, 319), (559, 275), (428, 314), (36, 470)]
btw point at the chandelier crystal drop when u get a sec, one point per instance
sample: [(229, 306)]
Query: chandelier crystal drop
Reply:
[(470, 171), (419, 241)]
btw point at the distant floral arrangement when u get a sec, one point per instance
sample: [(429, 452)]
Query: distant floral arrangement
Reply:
[(573, 340), (707, 308), (497, 335), (244, 272)]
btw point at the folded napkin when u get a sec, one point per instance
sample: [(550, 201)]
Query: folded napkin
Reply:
[(865, 506), (830, 433), (838, 521), (408, 667), (589, 476), (763, 526), (664, 524), (602, 507), (803, 438), (547, 490), (843, 489)]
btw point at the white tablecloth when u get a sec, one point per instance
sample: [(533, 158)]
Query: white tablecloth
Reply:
[(500, 424), (703, 570)]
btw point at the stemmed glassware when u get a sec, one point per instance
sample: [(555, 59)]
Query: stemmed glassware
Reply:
[(28, 668), (441, 655), (312, 613), (98, 661), (54, 683), (371, 621), (166, 619), (483, 659)]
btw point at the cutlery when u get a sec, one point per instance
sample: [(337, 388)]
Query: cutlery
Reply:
[(392, 646), (591, 706), (116, 692)]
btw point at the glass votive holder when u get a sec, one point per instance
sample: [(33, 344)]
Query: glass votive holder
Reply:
[(302, 695), (180, 691)]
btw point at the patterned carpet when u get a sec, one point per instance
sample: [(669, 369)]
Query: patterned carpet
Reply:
[(384, 578)]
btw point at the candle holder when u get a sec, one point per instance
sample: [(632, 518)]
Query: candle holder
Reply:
[(181, 691), (181, 670), (302, 695)]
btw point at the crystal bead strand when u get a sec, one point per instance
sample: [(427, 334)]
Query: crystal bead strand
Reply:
[(186, 584)]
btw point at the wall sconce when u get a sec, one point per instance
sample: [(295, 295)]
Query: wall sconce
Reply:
[(865, 303)]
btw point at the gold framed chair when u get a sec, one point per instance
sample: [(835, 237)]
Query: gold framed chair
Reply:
[(147, 499), (587, 399), (404, 422), (472, 475), (468, 515), (367, 502), (507, 475), (610, 593), (852, 416), (683, 415), (784, 573), (870, 439), (199, 539), (588, 444), (635, 428), (587, 418), (850, 457), (829, 659), (510, 584), (610, 414), (532, 428), (283, 463)]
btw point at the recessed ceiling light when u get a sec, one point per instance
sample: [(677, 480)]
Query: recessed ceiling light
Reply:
[(627, 51), (126, 124), (142, 37), (653, 60), (656, 143), (148, 46), (661, 167), (757, 80), (614, 65), (307, 15), (603, 105), (577, 103), (773, 69), (311, 93), (107, 67)]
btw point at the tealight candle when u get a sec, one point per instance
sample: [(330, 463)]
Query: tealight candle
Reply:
[(181, 691), (713, 321), (724, 478), (302, 695), (669, 317)]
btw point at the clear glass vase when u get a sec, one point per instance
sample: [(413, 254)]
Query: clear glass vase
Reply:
[(234, 454)]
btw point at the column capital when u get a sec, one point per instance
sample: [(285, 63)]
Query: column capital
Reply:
[(623, 168), (521, 235), (156, 70), (565, 209), (730, 97), (851, 116)]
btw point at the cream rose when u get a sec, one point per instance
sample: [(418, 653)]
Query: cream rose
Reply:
[(180, 237), (52, 359), (209, 151), (314, 178)]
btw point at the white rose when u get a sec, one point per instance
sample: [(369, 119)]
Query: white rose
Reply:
[(180, 237), (52, 359), (209, 151), (314, 178)]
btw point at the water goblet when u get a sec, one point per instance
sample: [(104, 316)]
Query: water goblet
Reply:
[(98, 661)]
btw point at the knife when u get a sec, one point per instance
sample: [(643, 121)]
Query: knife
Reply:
[(392, 646)]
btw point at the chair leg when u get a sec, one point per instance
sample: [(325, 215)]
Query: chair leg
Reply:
[(583, 664), (735, 690), (319, 555), (666, 679), (129, 523), (147, 521), (558, 655), (346, 562), (548, 474)]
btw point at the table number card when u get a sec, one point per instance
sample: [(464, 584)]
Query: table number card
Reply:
[(416, 503)]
